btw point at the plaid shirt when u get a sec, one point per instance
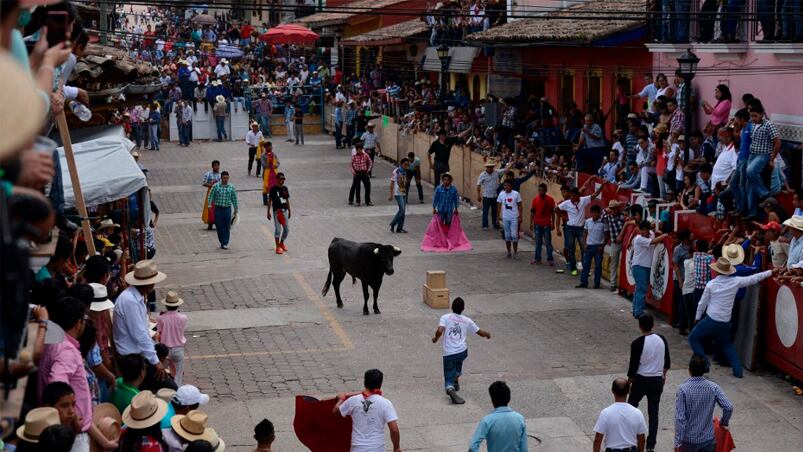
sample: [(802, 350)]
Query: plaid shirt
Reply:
[(681, 96), (615, 223), (508, 116), (211, 177), (694, 411), (677, 122), (223, 196), (351, 114), (702, 271), (445, 199), (361, 163), (762, 136)]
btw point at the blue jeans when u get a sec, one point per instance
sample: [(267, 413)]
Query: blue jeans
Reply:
[(705, 447), (489, 204), (223, 224), (543, 234), (765, 11), (511, 228), (721, 333), (792, 22), (184, 134), (738, 186), (682, 19), (280, 231), (453, 368), (574, 238), (642, 277), (398, 219), (592, 252), (732, 8), (338, 134), (755, 183), (446, 217), (155, 136), (221, 128), (264, 122)]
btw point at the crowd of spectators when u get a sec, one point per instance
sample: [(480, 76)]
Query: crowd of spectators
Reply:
[(450, 22)]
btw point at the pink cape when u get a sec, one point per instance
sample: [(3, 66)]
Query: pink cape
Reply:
[(440, 238)]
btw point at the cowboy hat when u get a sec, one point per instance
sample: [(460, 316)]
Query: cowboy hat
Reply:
[(217, 441), (144, 411), (632, 116), (20, 123), (733, 253), (769, 202), (723, 266), (107, 223), (100, 298), (166, 394), (489, 164), (36, 421), (613, 204), (145, 273), (682, 138), (370, 124), (172, 299), (108, 420), (795, 222), (220, 98), (192, 426), (224, 61)]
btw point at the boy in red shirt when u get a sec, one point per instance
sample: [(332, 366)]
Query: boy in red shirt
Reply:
[(543, 221)]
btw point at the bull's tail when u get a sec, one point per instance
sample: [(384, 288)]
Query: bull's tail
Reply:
[(326, 285)]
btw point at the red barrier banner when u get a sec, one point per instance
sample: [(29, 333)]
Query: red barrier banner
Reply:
[(701, 226), (783, 318), (661, 291)]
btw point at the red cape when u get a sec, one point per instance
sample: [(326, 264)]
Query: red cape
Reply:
[(318, 428)]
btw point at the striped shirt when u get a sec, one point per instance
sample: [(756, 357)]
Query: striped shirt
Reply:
[(360, 163), (223, 196), (694, 411), (211, 177), (702, 271)]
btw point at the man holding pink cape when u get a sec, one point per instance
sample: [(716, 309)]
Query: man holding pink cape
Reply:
[(444, 232)]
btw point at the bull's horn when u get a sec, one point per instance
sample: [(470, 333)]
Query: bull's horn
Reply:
[(376, 250), (397, 249)]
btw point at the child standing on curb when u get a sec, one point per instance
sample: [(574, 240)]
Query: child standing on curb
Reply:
[(170, 325)]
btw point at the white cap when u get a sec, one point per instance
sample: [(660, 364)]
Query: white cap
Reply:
[(188, 395)]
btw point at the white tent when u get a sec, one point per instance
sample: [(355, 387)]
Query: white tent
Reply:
[(106, 169)]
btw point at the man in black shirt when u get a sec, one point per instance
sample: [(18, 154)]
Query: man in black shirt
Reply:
[(442, 148), (279, 203)]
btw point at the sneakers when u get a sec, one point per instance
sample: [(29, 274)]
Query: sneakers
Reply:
[(402, 231), (574, 272), (279, 250), (283, 246), (456, 399)]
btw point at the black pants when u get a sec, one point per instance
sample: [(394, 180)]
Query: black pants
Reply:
[(372, 154), (439, 168), (410, 176), (362, 176), (652, 387), (252, 152), (349, 139)]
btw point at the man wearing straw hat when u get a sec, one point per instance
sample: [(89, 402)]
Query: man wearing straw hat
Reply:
[(36, 421), (717, 303), (220, 116), (130, 323), (252, 139)]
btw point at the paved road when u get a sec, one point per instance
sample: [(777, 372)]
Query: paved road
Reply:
[(261, 333)]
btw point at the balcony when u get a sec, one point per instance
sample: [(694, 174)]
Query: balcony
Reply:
[(449, 25), (763, 25)]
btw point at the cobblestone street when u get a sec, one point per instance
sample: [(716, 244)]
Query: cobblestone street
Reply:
[(260, 333)]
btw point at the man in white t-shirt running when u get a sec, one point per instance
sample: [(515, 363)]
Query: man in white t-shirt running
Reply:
[(621, 425), (454, 328), (370, 412)]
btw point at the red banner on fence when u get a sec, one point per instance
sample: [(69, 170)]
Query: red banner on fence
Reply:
[(661, 288), (783, 317)]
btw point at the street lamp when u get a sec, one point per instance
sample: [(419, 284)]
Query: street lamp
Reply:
[(687, 65), (443, 55)]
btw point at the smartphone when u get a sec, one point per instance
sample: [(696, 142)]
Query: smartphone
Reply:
[(56, 23)]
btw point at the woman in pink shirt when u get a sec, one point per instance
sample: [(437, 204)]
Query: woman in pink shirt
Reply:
[(170, 325), (721, 111)]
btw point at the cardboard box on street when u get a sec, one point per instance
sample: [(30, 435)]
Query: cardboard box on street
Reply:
[(436, 298), (436, 279)]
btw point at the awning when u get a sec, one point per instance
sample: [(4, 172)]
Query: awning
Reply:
[(106, 169), (583, 22), (460, 61), (345, 12), (390, 35)]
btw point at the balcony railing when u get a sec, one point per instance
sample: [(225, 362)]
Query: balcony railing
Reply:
[(450, 26), (728, 21)]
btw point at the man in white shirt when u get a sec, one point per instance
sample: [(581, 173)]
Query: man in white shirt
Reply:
[(717, 304), (370, 142), (725, 164), (252, 139), (222, 69), (574, 210), (454, 328), (649, 362), (487, 185), (641, 264), (370, 412), (594, 236), (509, 206), (621, 425)]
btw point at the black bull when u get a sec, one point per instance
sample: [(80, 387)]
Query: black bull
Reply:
[(368, 262)]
